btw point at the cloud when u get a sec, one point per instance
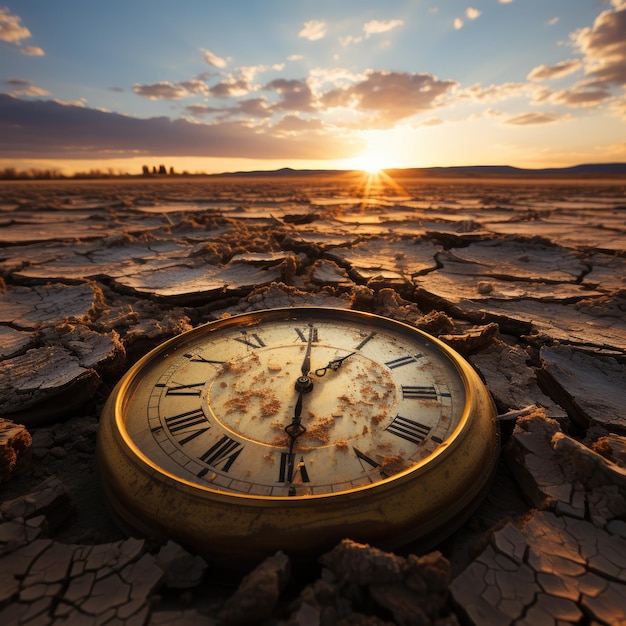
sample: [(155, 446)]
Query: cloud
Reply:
[(604, 46), (579, 96), (213, 59), (293, 124), (529, 119), (547, 72), (25, 88), (252, 107), (164, 90), (296, 95), (11, 30), (230, 88), (202, 110), (249, 72), (390, 96), (233, 85), (505, 1), (471, 13), (553, 21), (494, 93), (350, 39), (432, 121), (47, 129), (33, 51), (313, 30), (375, 27)]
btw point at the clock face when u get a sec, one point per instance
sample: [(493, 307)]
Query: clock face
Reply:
[(289, 429), (217, 410)]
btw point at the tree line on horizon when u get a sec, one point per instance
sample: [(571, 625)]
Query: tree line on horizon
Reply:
[(12, 173)]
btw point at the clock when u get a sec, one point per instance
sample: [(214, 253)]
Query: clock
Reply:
[(293, 428)]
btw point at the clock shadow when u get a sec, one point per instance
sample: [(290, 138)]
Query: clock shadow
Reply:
[(502, 503)]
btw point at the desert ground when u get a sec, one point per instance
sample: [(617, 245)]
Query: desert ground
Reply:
[(524, 276)]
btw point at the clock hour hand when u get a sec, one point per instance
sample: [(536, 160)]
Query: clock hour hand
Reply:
[(332, 365)]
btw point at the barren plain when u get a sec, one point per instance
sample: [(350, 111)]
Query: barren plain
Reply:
[(525, 277)]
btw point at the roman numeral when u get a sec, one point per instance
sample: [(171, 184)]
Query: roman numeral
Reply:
[(303, 334), (419, 393), (252, 341), (403, 360), (193, 389), (184, 420), (363, 458), (226, 451), (288, 468), (368, 338), (196, 358), (192, 436), (408, 429)]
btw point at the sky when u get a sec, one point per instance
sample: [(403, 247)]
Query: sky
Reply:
[(216, 86)]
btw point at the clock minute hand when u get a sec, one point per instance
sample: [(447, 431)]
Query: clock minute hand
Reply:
[(303, 385)]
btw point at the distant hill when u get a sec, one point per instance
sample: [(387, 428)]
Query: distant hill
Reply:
[(584, 169), (589, 168), (285, 171)]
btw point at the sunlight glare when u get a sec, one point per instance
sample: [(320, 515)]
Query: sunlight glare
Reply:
[(370, 163)]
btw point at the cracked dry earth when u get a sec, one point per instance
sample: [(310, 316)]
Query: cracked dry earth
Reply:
[(525, 277)]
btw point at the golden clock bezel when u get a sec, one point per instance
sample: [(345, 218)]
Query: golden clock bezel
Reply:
[(424, 502)]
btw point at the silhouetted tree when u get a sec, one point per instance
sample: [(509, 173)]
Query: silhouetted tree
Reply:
[(9, 173), (145, 170), (172, 171), (162, 170)]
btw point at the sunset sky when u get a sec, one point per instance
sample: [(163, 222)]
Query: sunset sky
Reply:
[(211, 86)]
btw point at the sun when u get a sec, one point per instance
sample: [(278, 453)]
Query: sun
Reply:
[(376, 169), (370, 163)]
